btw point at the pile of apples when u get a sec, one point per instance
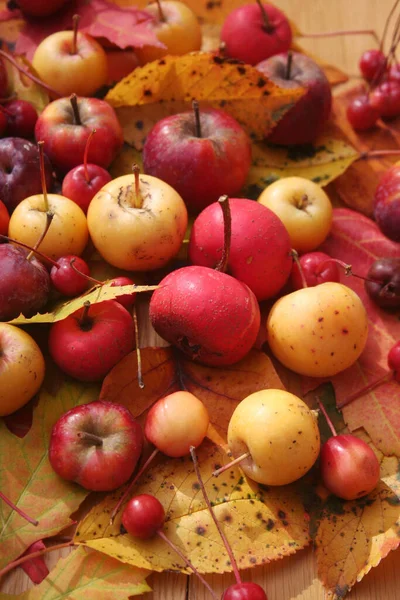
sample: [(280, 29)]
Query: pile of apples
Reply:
[(240, 253)]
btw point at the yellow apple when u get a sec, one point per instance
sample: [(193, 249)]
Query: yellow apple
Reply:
[(176, 26), (22, 368), (279, 432), (137, 224), (304, 209)]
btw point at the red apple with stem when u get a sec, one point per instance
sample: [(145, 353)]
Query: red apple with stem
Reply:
[(65, 125), (256, 31), (96, 445), (259, 244), (68, 281), (305, 120), (88, 343), (314, 268), (202, 155), (84, 181)]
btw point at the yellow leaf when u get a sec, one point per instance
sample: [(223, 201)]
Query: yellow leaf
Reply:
[(97, 294), (169, 85), (261, 524), (86, 574)]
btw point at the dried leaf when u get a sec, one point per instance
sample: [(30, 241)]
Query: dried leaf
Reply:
[(357, 240), (354, 536), (168, 86), (321, 162), (27, 478), (261, 524), (86, 575), (356, 187), (166, 370), (36, 568), (96, 294)]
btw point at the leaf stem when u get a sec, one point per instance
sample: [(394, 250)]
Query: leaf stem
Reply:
[(222, 265), (377, 154), (341, 32), (22, 559), (18, 510), (233, 462), (214, 518)]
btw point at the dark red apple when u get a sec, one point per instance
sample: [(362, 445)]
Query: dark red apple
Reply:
[(65, 126), (200, 166), (304, 121), (96, 445), (88, 343), (260, 245), (383, 284), (4, 219), (252, 33), (20, 171), (387, 203)]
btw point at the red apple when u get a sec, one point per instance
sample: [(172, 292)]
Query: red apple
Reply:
[(252, 33), (201, 165), (88, 343), (65, 126), (96, 445), (81, 184), (302, 123), (387, 203), (4, 219), (260, 245), (317, 267)]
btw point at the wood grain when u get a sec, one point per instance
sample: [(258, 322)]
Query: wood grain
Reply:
[(293, 578)]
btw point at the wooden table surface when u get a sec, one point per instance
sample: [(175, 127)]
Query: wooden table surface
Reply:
[(293, 578)]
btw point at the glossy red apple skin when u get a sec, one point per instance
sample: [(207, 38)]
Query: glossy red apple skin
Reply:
[(349, 468), (76, 187), (387, 203), (4, 219), (20, 171), (200, 169), (99, 468), (210, 316), (317, 268), (302, 123), (246, 37), (143, 516), (90, 351), (65, 140), (260, 245), (244, 591)]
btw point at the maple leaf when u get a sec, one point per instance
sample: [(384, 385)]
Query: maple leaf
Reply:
[(357, 240), (83, 575), (261, 523), (169, 85), (27, 478), (351, 537), (166, 370)]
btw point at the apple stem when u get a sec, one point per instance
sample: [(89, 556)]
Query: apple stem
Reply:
[(22, 559), (234, 462), (75, 22), (84, 316), (267, 23), (86, 153), (377, 154), (132, 483), (364, 390), (161, 14), (327, 417), (226, 211), (74, 102), (288, 71), (214, 518), (88, 277), (18, 510), (196, 110), (295, 256), (347, 269), (341, 32), (138, 199), (138, 353), (162, 535), (43, 175), (49, 218), (91, 438), (18, 243), (48, 88)]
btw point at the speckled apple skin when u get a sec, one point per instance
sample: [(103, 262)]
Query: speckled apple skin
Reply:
[(210, 316)]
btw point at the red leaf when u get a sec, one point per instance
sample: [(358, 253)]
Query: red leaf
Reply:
[(35, 568), (357, 240), (123, 26)]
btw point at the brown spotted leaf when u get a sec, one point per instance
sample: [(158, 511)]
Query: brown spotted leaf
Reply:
[(261, 524), (169, 85), (166, 370)]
